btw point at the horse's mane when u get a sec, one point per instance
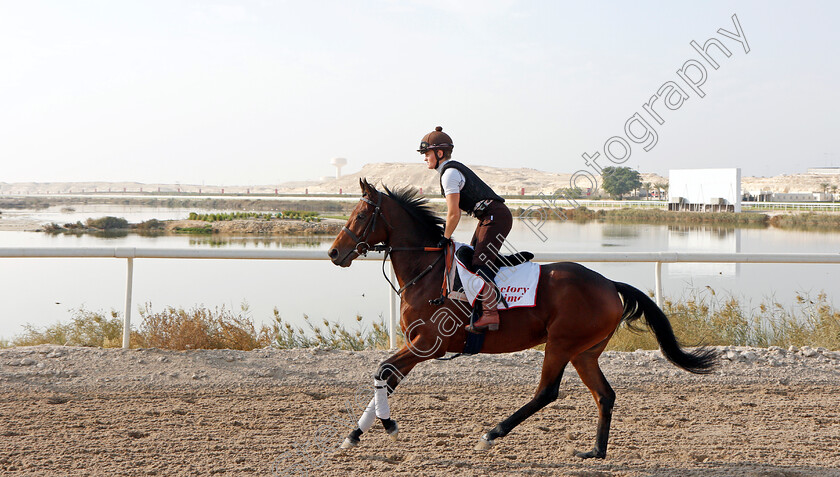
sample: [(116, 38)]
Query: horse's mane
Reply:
[(418, 208)]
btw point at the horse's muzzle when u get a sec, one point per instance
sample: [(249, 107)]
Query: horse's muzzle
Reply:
[(342, 261)]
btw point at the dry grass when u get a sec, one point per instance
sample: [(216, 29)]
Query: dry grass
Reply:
[(203, 328), (332, 335), (807, 221), (198, 328), (704, 318), (700, 318), (86, 328)]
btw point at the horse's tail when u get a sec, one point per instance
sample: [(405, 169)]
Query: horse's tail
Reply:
[(636, 304)]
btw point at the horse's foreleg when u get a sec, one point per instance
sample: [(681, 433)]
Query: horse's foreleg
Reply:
[(387, 377), (590, 373), (552, 372)]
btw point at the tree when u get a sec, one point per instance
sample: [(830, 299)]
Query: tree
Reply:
[(662, 187), (570, 192), (620, 180)]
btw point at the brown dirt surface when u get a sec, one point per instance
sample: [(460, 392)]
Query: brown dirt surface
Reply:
[(90, 411)]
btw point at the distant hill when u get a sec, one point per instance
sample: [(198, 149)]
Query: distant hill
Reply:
[(507, 181)]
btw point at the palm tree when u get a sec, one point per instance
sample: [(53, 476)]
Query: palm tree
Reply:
[(824, 186), (833, 192), (662, 187)]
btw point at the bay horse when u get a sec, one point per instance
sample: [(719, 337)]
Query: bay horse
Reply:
[(576, 313)]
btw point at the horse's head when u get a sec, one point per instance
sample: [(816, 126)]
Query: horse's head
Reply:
[(365, 228)]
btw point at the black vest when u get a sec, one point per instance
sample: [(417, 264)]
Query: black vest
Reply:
[(474, 191)]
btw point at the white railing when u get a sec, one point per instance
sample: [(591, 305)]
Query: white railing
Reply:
[(658, 258)]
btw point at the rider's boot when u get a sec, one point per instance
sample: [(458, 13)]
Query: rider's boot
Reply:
[(489, 319)]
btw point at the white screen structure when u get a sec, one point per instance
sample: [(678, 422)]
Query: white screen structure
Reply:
[(705, 187)]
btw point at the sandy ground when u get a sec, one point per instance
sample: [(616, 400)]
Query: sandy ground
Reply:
[(20, 225), (75, 411)]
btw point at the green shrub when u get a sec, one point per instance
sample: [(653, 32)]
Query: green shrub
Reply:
[(107, 223), (301, 215), (231, 216), (151, 224), (207, 229)]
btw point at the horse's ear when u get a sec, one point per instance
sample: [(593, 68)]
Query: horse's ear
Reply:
[(367, 189)]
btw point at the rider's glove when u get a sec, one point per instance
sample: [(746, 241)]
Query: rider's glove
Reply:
[(444, 242)]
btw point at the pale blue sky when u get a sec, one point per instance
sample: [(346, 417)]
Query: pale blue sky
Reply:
[(258, 92)]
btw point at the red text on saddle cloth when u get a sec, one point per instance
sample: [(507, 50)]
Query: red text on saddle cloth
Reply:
[(518, 285)]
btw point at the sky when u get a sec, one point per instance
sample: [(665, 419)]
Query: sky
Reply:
[(264, 92)]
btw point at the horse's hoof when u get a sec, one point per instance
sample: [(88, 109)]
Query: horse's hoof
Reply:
[(483, 444), (391, 428), (349, 443), (591, 454)]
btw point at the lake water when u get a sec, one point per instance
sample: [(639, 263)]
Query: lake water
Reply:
[(42, 291)]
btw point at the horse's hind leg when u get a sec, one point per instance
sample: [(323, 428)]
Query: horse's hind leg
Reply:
[(590, 373), (552, 372)]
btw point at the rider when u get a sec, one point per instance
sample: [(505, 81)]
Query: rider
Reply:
[(464, 190)]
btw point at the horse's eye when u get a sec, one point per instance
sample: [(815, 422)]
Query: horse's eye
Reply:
[(361, 216)]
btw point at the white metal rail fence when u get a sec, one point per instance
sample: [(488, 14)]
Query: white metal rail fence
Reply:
[(657, 258)]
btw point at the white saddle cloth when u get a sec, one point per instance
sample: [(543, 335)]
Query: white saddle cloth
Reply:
[(517, 284)]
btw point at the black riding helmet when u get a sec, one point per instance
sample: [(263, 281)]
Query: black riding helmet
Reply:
[(436, 139)]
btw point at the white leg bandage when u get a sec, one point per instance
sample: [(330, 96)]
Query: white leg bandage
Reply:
[(366, 421), (380, 395)]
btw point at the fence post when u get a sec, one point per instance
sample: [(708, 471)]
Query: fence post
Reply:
[(392, 325), (127, 320), (658, 283)]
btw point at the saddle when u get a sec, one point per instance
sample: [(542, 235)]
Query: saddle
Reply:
[(464, 255), (453, 287)]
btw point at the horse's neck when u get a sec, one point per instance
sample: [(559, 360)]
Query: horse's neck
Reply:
[(408, 264)]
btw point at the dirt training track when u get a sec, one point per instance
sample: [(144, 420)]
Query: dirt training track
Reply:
[(75, 411)]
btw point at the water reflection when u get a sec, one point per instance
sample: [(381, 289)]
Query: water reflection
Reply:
[(703, 238), (620, 231), (217, 241)]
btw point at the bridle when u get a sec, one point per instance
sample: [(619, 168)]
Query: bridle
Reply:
[(363, 247)]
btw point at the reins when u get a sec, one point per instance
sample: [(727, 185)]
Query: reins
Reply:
[(388, 250)]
